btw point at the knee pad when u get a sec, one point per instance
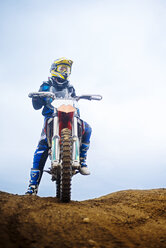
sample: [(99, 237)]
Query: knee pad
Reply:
[(87, 133)]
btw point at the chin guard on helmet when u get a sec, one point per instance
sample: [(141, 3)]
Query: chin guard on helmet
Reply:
[(61, 68), (59, 82)]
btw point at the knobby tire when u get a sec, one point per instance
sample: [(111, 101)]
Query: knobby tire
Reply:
[(66, 171), (58, 182)]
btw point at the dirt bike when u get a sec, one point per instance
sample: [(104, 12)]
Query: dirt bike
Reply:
[(64, 134)]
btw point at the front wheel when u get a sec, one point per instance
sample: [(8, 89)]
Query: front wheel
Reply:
[(66, 172), (58, 182)]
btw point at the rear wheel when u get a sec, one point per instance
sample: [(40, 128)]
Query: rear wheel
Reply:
[(66, 171)]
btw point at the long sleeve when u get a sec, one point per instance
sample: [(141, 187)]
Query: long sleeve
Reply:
[(38, 102)]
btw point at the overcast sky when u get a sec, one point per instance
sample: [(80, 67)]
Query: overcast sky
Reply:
[(119, 51)]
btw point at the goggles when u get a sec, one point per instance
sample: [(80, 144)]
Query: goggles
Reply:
[(64, 69)]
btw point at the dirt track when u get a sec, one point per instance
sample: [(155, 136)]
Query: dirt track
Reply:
[(132, 218)]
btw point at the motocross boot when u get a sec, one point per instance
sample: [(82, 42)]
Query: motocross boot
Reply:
[(35, 176), (83, 154)]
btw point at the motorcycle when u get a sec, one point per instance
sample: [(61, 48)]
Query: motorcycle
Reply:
[(64, 131)]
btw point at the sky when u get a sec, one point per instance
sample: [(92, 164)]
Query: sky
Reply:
[(119, 51)]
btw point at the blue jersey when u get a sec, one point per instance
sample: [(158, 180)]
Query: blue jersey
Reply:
[(50, 86)]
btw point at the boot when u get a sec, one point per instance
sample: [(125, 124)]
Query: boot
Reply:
[(84, 170), (35, 176), (83, 154)]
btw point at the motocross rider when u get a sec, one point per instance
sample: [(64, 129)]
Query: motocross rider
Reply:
[(60, 71)]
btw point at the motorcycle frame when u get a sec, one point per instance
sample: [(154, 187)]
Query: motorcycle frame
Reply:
[(63, 118)]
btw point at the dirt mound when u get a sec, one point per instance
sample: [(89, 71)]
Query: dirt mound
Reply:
[(132, 218)]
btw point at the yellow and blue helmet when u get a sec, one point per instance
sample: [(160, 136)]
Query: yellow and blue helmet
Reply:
[(61, 68)]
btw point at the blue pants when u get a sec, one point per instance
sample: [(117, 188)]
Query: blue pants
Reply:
[(41, 153)]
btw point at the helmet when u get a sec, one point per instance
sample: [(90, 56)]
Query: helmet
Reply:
[(61, 68)]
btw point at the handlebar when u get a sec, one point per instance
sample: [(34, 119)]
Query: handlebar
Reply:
[(77, 98), (41, 94), (89, 97)]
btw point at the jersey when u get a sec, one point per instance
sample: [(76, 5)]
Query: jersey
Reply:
[(50, 86)]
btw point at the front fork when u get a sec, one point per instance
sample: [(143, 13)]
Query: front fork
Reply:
[(55, 146), (76, 145)]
